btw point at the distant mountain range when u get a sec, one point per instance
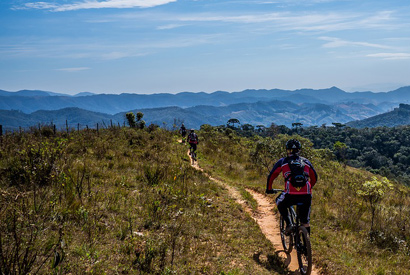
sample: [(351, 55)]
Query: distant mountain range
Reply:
[(257, 107)]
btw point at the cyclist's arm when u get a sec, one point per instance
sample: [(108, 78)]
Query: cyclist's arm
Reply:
[(274, 173), (312, 174)]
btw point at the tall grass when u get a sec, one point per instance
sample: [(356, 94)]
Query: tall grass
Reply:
[(344, 240), (120, 200)]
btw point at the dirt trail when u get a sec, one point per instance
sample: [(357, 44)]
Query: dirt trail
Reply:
[(266, 219)]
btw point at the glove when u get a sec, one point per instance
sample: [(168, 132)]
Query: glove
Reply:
[(269, 191)]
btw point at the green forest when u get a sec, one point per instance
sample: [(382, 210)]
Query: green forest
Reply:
[(125, 200), (381, 150)]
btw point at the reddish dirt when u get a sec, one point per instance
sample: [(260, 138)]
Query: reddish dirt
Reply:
[(268, 222), (266, 219)]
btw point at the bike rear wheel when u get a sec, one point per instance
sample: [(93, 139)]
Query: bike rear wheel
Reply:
[(304, 251)]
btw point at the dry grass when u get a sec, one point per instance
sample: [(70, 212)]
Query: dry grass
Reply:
[(343, 241), (119, 201)]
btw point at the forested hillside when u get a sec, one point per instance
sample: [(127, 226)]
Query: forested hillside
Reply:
[(125, 200), (399, 116), (381, 150)]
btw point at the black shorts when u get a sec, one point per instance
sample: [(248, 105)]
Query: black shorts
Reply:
[(193, 145), (286, 200)]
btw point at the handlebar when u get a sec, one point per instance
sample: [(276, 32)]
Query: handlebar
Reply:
[(276, 190)]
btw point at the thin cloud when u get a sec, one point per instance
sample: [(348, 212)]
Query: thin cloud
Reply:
[(337, 43), (322, 22), (117, 4), (170, 26), (391, 56), (120, 55), (72, 70)]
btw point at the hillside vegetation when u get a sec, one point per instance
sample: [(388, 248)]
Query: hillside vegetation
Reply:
[(380, 150), (360, 222), (399, 116), (126, 200), (118, 201)]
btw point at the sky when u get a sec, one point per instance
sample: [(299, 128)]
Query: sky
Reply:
[(172, 46)]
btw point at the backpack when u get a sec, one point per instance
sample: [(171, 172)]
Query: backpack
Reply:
[(192, 138), (298, 176)]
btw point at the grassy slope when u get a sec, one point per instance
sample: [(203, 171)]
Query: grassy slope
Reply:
[(119, 201), (341, 219), (127, 201)]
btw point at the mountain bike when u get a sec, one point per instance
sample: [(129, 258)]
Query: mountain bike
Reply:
[(298, 238), (192, 153)]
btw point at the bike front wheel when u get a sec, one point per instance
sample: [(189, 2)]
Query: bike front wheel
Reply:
[(304, 251)]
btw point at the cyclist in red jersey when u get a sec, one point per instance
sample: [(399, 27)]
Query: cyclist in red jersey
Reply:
[(193, 140), (300, 177)]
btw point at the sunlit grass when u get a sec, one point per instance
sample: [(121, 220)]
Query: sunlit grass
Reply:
[(343, 241), (120, 201)]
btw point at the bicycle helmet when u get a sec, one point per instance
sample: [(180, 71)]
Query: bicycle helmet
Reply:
[(294, 145), (192, 130)]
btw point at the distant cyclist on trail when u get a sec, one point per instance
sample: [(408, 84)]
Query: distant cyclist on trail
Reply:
[(182, 131), (300, 177), (193, 141)]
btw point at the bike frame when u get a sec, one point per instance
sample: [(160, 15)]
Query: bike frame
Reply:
[(299, 239), (192, 153)]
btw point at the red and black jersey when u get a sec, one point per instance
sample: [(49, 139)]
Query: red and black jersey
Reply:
[(283, 166), (193, 138)]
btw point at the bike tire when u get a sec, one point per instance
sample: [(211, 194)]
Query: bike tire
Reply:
[(304, 251), (287, 241)]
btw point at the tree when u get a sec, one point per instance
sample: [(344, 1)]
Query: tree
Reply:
[(262, 154), (131, 119), (231, 122), (130, 116), (260, 128), (372, 191), (140, 122), (338, 125), (248, 127), (139, 116), (340, 149), (297, 125)]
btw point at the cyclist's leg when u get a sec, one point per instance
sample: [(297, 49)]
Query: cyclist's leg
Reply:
[(304, 211), (283, 201), (194, 151)]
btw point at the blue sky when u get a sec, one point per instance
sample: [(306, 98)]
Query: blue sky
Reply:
[(171, 46)]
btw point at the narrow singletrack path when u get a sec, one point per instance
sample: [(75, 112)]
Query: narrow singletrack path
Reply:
[(269, 225), (266, 219)]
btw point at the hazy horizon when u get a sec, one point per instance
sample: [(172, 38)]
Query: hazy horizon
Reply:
[(173, 46), (91, 93)]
